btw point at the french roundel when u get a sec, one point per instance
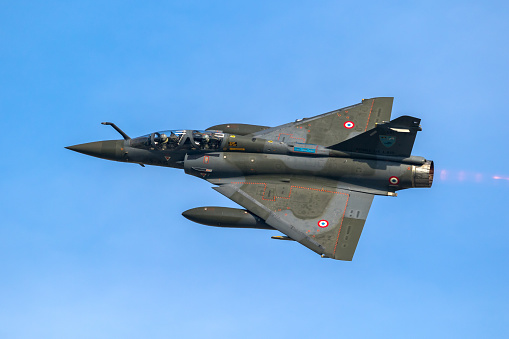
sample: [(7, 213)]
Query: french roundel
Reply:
[(323, 223), (394, 180), (349, 124)]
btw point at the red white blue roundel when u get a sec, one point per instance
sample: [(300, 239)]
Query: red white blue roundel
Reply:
[(394, 180), (323, 223), (349, 124)]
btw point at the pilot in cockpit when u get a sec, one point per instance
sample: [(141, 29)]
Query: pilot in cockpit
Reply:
[(168, 142), (163, 140), (205, 141)]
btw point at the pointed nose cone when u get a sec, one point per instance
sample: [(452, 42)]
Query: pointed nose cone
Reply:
[(109, 149), (193, 214)]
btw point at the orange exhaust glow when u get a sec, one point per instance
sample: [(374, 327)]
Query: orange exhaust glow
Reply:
[(466, 176)]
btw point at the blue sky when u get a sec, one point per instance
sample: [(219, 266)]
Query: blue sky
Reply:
[(98, 249)]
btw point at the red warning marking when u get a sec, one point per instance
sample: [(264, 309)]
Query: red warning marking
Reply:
[(371, 109), (349, 125), (394, 180), (291, 136), (323, 223)]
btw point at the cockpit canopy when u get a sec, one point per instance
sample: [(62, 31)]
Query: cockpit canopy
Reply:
[(180, 139)]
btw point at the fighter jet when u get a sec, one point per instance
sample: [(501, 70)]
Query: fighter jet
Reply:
[(313, 180)]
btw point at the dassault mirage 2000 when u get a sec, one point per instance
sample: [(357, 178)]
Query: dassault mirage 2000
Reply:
[(313, 179)]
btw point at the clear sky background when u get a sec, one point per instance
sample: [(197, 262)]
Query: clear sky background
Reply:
[(97, 249)]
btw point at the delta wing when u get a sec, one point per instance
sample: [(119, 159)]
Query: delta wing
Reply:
[(333, 127), (320, 215)]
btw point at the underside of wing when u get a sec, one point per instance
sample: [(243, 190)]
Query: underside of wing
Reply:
[(333, 127), (325, 218)]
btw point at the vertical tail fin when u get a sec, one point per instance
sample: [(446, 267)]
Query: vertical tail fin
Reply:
[(394, 138)]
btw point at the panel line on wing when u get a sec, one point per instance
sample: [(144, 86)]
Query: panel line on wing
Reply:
[(291, 188), (369, 116), (341, 224)]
